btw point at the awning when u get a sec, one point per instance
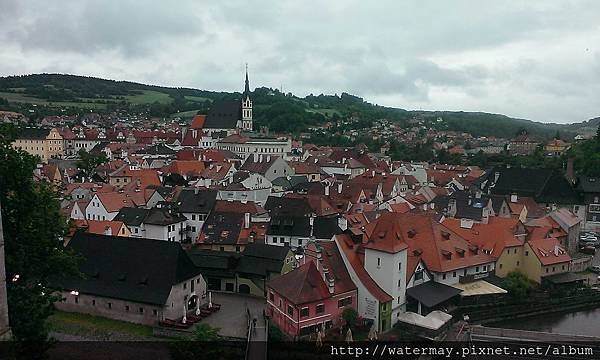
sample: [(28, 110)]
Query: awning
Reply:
[(479, 287), (432, 293), (434, 320)]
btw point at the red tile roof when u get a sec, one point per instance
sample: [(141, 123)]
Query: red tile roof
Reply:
[(301, 285), (549, 251), (355, 256)]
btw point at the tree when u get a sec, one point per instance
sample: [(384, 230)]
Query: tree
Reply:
[(518, 285), (88, 163), (33, 230), (350, 315)]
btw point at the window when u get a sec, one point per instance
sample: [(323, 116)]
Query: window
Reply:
[(419, 275), (563, 267), (141, 310), (345, 301), (290, 310), (398, 299), (304, 312), (154, 312), (109, 305), (320, 309), (193, 217), (378, 262), (476, 269), (94, 302), (500, 266), (553, 269), (184, 286), (526, 253), (76, 299), (127, 308), (454, 274), (484, 267), (399, 283), (547, 269), (518, 263), (399, 266)]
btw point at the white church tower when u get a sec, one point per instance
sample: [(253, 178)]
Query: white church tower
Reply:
[(246, 106)]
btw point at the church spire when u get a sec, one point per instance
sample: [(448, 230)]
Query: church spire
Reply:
[(247, 88)]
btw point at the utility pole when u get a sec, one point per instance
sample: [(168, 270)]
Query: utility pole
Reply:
[(5, 333)]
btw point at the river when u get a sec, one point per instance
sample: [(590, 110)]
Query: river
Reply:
[(585, 322)]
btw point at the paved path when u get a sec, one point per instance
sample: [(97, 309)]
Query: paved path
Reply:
[(257, 345), (231, 319)]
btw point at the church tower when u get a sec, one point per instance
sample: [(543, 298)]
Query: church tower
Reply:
[(246, 106)]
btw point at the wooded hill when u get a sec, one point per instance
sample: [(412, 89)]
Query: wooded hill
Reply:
[(54, 94)]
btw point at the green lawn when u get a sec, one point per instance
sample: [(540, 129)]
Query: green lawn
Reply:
[(197, 98), (94, 326), (149, 97), (324, 112), (22, 98)]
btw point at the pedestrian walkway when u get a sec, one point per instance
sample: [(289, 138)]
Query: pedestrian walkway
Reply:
[(258, 335)]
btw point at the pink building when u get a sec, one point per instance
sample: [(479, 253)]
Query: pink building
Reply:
[(312, 295)]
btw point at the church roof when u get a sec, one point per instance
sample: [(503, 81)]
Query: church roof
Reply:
[(224, 114)]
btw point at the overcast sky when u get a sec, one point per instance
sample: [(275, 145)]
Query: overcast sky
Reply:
[(538, 60)]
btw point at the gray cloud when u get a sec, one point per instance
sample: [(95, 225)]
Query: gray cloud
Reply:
[(534, 59)]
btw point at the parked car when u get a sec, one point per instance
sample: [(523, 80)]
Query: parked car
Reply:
[(595, 268), (588, 250)]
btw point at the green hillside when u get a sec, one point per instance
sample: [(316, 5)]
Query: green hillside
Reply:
[(51, 94)]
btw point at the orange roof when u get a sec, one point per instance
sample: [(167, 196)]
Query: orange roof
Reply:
[(100, 227), (400, 208), (184, 167), (198, 122), (549, 251), (115, 201), (495, 236), (353, 252), (441, 248)]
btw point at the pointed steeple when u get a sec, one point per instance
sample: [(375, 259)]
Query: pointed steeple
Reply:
[(247, 88)]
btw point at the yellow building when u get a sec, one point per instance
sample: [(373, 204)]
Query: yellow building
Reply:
[(43, 143), (544, 257)]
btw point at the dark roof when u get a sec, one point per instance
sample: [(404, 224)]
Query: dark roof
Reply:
[(524, 182), (432, 293), (289, 182), (588, 184), (222, 228), (162, 216), (131, 216), (289, 226), (201, 202), (139, 270), (264, 251), (226, 263), (224, 114), (282, 206), (33, 133), (325, 227), (260, 165), (216, 263), (559, 190)]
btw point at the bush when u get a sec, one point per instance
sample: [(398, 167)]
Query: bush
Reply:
[(350, 315), (518, 285)]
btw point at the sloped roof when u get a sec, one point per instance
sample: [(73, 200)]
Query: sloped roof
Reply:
[(196, 200), (302, 285), (224, 114), (130, 269)]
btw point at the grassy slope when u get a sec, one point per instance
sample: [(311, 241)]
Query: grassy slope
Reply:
[(95, 327)]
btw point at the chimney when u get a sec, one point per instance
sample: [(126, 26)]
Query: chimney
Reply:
[(326, 190), (342, 222), (331, 285), (107, 231), (514, 198), (195, 190), (452, 207), (570, 175), (268, 158), (340, 186), (246, 220)]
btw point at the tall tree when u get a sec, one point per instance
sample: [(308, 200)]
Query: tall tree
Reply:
[(33, 230), (88, 163)]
